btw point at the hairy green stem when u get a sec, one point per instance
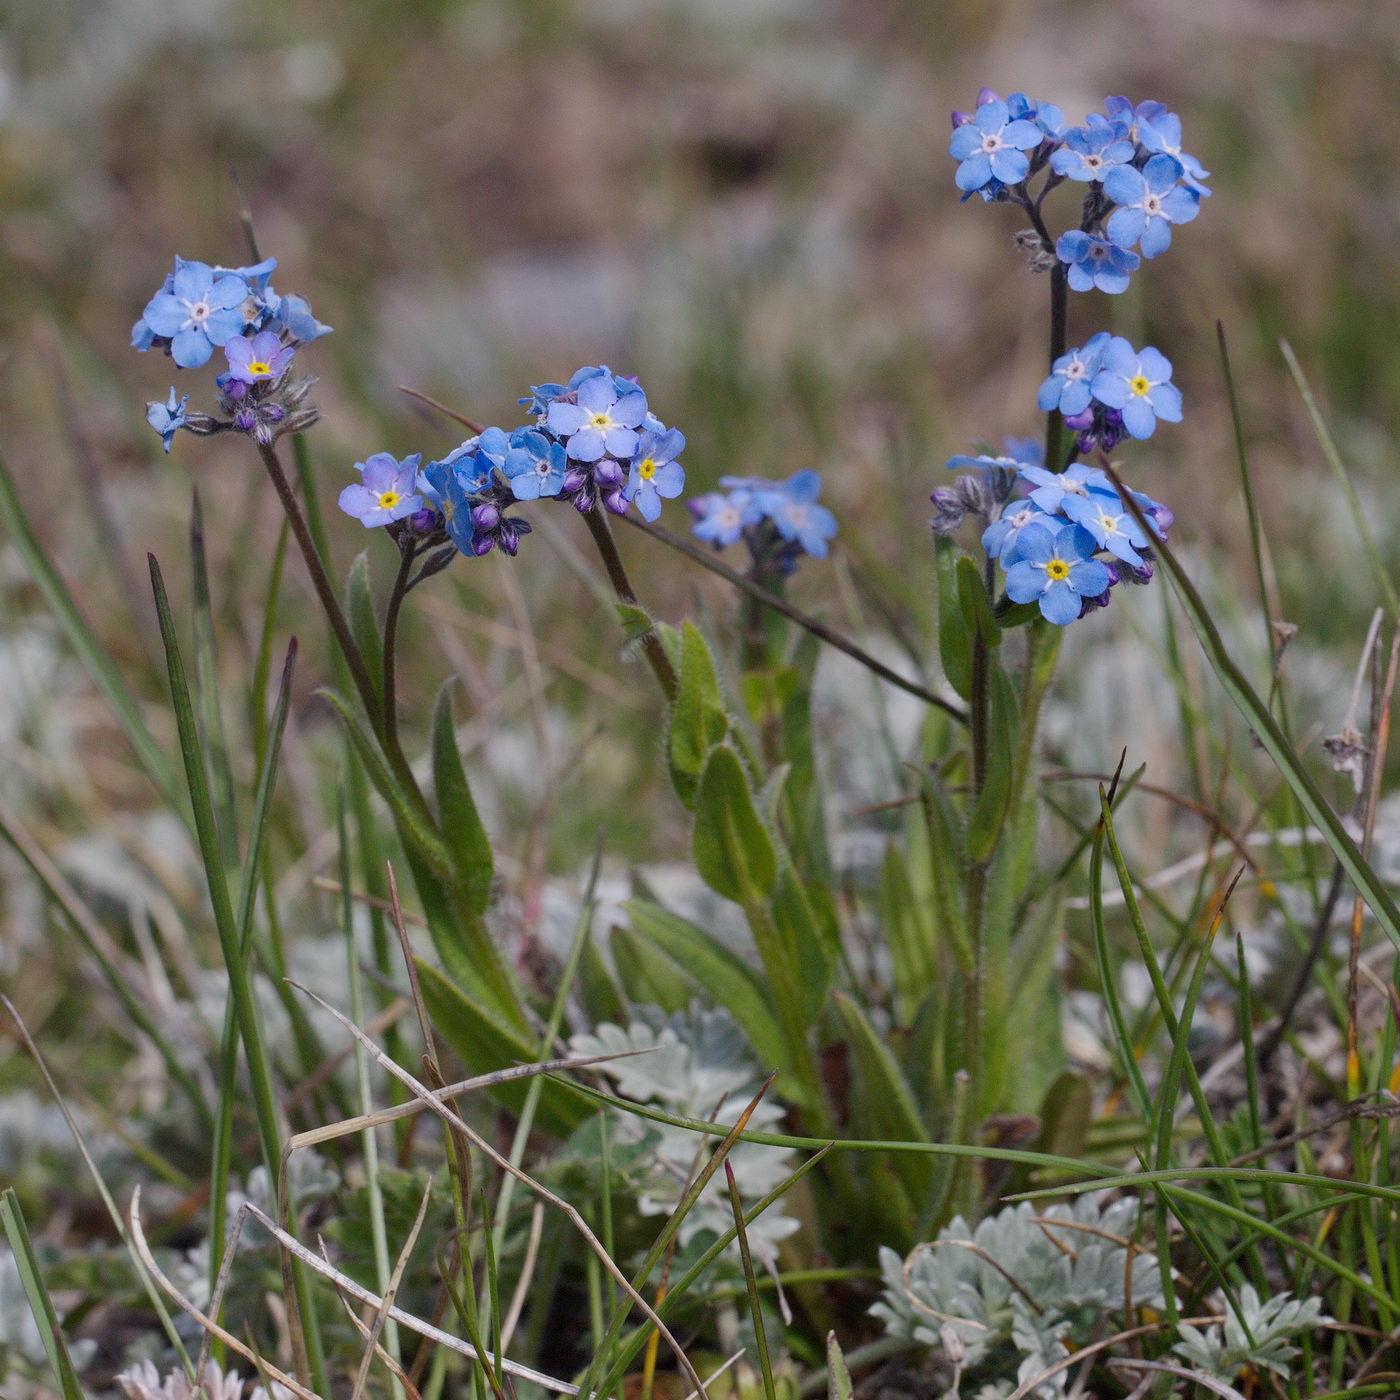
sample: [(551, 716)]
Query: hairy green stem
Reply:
[(656, 656), (1059, 334), (340, 626), (795, 614), (407, 554)]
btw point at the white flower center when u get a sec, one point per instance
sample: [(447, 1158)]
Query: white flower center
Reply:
[(1152, 204), (200, 311)]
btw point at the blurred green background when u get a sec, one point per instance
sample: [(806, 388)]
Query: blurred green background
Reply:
[(747, 202)]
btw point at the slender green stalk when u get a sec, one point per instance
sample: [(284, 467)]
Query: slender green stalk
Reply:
[(239, 975), (655, 653), (795, 614), (221, 1152), (407, 554)]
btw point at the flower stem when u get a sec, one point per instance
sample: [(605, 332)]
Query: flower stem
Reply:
[(656, 656), (320, 580), (795, 614), (1059, 333), (340, 626), (408, 553)]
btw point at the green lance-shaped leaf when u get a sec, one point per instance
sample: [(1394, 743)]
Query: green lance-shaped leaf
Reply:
[(989, 814), (483, 1044), (882, 1102), (467, 842), (722, 973), (648, 978), (733, 851), (698, 717), (364, 625), (977, 613), (459, 932), (954, 637)]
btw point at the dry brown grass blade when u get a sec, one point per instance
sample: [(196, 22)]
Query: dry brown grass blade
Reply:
[(402, 1376), (1127, 1363), (505, 1164), (347, 1285), (527, 1273), (1074, 1358), (314, 1136), (148, 1261), (400, 1264)]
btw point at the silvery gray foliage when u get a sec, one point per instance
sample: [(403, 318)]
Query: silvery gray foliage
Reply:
[(1223, 1352), (699, 1065), (1066, 1275)]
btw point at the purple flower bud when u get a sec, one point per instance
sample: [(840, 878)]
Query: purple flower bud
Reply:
[(608, 472), (485, 516), (1080, 422), (424, 521), (509, 541), (481, 544), (584, 501), (986, 95), (961, 118), (245, 420), (573, 481), (1163, 517), (273, 412), (615, 502)]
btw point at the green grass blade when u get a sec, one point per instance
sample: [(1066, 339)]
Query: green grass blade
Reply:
[(1272, 738), (40, 1304), (760, 1333), (206, 680), (1384, 586), (95, 660), (240, 979)]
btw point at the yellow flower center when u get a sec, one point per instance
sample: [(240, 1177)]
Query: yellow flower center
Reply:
[(388, 500), (1057, 570), (601, 420), (1139, 385), (258, 367), (646, 468)]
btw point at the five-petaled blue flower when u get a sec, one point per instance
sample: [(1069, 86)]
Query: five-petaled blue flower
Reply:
[(654, 472), (386, 493), (535, 466), (1067, 387), (259, 358), (720, 519), (1002, 538), (603, 422), (1139, 386), (992, 147), (1162, 135), (793, 508), (1054, 489), (1111, 525), (1056, 571), (167, 418), (1095, 262), (441, 484), (201, 311), (1090, 152), (1150, 201)]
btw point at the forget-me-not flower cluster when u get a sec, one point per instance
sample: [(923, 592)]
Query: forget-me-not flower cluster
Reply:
[(592, 442), (1059, 529), (1139, 182), (201, 309), (780, 521)]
